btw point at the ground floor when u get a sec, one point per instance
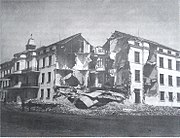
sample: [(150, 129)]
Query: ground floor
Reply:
[(19, 94)]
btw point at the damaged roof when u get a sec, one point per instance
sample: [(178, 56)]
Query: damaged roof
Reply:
[(118, 33)]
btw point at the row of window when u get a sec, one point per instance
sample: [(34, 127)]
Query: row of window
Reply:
[(5, 72), (168, 52), (48, 94), (44, 62), (161, 63), (4, 84), (43, 78), (170, 80), (170, 96)]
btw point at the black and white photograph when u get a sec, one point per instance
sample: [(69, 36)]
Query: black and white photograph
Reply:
[(90, 68)]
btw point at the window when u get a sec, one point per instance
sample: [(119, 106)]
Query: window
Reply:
[(169, 52), (42, 94), (177, 54), (44, 61), (170, 96), (137, 75), (16, 80), (100, 62), (160, 50), (162, 79), (48, 94), (44, 51), (169, 64), (161, 62), (162, 96), (170, 80), (178, 81), (27, 64), (178, 97), (37, 65), (49, 77), (42, 78), (82, 46), (178, 65), (136, 54), (17, 66), (50, 60)]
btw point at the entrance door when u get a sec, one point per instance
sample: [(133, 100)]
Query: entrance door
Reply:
[(137, 95)]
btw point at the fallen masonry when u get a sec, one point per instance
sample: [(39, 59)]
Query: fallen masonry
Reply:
[(95, 103)]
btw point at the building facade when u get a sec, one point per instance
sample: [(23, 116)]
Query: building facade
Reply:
[(148, 72), (144, 71), (36, 73)]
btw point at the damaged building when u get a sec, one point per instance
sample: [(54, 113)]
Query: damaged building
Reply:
[(148, 72), (125, 67)]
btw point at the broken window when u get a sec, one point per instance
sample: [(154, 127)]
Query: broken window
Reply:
[(137, 75), (162, 79), (136, 54), (48, 94), (42, 94), (171, 96), (170, 80), (169, 64), (162, 96), (178, 97), (42, 78), (161, 62), (178, 81), (178, 65)]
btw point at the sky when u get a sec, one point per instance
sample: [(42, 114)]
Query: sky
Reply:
[(54, 20)]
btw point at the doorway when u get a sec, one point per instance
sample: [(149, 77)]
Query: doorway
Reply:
[(137, 95)]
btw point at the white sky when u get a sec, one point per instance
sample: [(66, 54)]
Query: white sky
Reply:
[(156, 20)]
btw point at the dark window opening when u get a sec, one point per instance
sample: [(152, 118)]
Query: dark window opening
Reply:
[(137, 75), (17, 66), (42, 94), (162, 79), (170, 96), (178, 81), (50, 60), (178, 97), (42, 78), (162, 96), (49, 77), (136, 57), (44, 61), (48, 94), (161, 62), (169, 64), (170, 80), (178, 65)]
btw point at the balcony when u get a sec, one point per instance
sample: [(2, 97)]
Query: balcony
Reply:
[(29, 70)]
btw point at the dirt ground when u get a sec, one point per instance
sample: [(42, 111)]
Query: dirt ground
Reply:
[(17, 123)]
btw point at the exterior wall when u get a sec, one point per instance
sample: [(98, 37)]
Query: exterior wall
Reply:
[(46, 85), (135, 66), (166, 88)]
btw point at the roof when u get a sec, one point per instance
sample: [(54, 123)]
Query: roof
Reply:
[(61, 42), (142, 39)]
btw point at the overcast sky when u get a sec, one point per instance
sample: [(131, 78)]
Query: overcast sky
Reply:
[(49, 21)]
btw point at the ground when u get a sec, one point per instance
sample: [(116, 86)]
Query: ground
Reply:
[(17, 123)]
